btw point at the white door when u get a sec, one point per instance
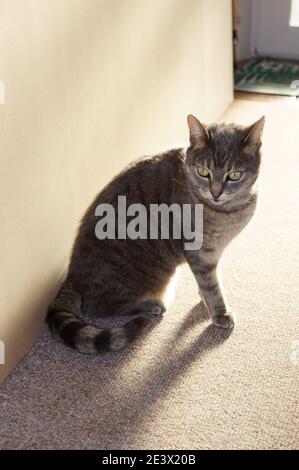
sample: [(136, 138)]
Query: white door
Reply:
[(276, 28)]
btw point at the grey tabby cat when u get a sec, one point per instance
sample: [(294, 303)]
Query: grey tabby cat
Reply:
[(115, 277)]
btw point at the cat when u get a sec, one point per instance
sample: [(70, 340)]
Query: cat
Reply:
[(128, 277)]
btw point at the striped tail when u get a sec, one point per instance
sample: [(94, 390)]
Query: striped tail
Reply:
[(66, 326)]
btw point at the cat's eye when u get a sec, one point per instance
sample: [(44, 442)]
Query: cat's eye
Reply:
[(234, 175), (203, 171)]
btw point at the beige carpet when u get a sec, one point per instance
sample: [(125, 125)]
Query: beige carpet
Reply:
[(186, 385)]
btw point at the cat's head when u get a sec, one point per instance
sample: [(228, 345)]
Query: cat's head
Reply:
[(223, 160)]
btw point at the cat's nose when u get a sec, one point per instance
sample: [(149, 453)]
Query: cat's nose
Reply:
[(216, 190), (216, 194)]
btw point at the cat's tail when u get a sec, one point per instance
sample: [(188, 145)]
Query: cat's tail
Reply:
[(66, 326)]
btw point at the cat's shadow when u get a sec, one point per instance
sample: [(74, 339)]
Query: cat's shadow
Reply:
[(169, 368), (198, 314), (167, 371)]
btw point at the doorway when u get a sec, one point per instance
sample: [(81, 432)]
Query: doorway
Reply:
[(266, 46)]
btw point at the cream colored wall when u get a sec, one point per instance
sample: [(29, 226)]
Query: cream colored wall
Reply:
[(90, 85)]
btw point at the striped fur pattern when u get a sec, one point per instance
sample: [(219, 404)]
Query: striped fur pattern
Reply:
[(129, 277), (86, 338)]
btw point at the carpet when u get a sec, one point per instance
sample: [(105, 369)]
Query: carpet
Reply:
[(272, 76), (185, 384)]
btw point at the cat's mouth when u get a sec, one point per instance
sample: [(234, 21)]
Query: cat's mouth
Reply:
[(218, 202)]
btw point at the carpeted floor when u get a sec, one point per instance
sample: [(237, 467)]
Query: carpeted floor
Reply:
[(186, 384)]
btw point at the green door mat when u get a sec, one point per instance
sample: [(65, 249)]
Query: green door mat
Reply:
[(271, 76)]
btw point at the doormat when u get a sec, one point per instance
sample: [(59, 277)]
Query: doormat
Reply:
[(271, 76)]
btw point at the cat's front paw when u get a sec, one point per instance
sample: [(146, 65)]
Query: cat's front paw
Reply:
[(224, 321)]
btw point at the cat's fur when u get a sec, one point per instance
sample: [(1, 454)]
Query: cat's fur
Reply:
[(112, 277)]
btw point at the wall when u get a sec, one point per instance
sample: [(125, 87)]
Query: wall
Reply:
[(89, 86)]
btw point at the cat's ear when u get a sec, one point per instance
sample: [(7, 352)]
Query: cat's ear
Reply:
[(198, 132), (254, 133)]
